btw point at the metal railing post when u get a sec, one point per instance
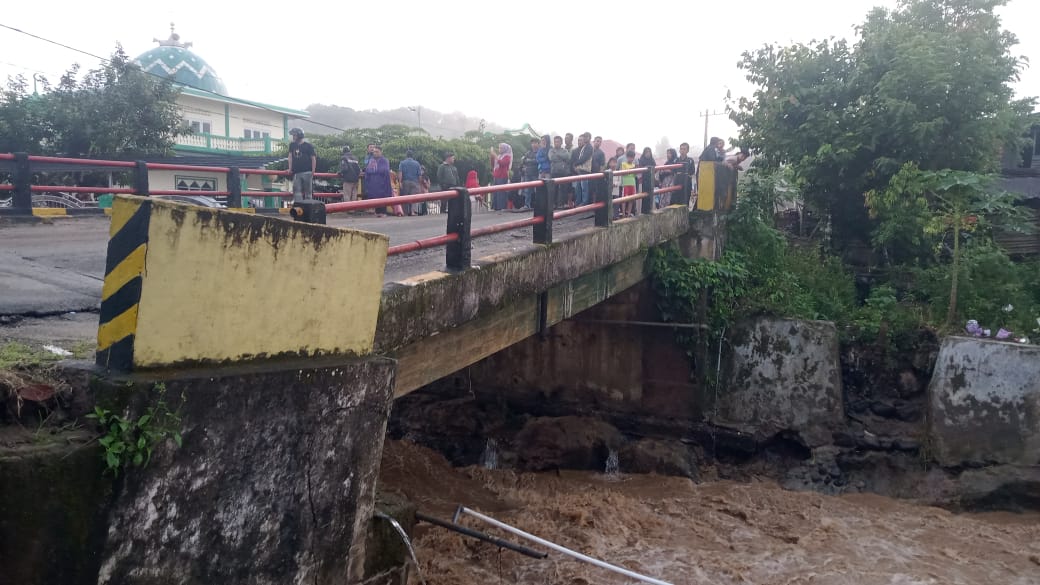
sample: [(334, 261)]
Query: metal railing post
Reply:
[(141, 178), (544, 203), (234, 183), (605, 215), (458, 254), (647, 206), (21, 199), (685, 175)]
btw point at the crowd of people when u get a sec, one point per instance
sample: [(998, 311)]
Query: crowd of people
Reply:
[(553, 157)]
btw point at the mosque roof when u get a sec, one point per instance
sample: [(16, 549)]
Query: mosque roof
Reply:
[(175, 61)]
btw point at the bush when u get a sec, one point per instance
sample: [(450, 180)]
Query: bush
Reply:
[(993, 290)]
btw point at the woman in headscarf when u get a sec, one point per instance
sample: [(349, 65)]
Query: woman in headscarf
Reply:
[(667, 179), (500, 165), (472, 182), (645, 159), (377, 178)]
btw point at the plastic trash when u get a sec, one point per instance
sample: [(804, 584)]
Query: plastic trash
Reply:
[(57, 350)]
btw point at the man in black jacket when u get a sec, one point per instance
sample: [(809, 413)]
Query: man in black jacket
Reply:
[(599, 164), (715, 152), (529, 170)]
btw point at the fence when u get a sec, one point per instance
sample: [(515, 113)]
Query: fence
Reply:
[(460, 233), (21, 166), (717, 186)]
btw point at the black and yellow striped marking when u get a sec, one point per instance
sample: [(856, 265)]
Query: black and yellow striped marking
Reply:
[(121, 293)]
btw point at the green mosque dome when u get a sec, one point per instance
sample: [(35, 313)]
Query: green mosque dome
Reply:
[(172, 60)]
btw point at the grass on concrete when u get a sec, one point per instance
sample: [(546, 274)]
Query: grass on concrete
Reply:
[(18, 355)]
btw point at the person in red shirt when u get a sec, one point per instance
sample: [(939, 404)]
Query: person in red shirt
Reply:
[(500, 164)]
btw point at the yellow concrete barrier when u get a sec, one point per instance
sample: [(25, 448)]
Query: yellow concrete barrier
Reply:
[(49, 211), (716, 186), (187, 284)]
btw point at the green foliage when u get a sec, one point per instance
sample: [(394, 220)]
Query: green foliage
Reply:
[(990, 282), (934, 207), (471, 153), (885, 321), (114, 110), (759, 274), (129, 441), (928, 83)]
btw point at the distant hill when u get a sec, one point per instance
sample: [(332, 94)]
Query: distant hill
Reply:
[(452, 125)]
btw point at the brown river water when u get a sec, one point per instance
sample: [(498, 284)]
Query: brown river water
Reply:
[(715, 533)]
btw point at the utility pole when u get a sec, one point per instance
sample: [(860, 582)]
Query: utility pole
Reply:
[(706, 115)]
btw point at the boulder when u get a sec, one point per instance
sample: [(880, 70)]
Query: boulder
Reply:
[(655, 456), (568, 442)]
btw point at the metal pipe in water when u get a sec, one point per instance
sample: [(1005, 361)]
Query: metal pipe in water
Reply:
[(556, 547), (481, 536), (407, 542)]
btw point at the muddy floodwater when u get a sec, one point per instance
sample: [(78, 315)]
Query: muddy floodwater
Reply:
[(715, 533)]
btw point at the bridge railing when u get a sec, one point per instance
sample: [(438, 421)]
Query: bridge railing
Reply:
[(22, 167), (460, 234)]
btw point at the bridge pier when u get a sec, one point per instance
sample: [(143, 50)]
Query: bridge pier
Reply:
[(274, 482), (282, 413)]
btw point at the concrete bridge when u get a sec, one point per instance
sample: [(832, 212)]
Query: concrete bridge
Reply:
[(284, 414)]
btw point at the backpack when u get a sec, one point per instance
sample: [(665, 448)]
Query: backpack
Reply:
[(350, 171)]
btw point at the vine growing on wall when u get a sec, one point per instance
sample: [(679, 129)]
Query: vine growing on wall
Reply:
[(129, 441)]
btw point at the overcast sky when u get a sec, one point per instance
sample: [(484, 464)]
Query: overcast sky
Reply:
[(617, 69)]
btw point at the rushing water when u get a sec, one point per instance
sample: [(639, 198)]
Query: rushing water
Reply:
[(489, 458), (407, 542), (715, 533), (612, 469)]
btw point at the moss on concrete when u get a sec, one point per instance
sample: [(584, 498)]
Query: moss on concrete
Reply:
[(53, 504)]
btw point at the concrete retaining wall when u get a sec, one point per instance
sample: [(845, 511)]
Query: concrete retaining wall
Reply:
[(783, 375), (984, 403)]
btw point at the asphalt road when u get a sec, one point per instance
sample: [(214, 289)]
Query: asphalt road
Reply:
[(58, 267)]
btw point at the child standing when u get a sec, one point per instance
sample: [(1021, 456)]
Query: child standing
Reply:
[(628, 183)]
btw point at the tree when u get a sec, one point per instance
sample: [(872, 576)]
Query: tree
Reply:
[(396, 141), (941, 205), (927, 83), (115, 110)]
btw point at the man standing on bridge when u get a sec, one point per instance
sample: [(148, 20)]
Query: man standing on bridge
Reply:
[(302, 162), (447, 174), (410, 170), (599, 164)]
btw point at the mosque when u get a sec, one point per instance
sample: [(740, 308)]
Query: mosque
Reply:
[(226, 131)]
